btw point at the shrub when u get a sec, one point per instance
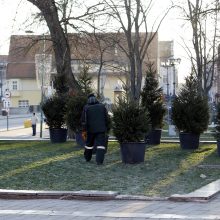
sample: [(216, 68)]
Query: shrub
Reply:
[(130, 121), (74, 110), (54, 109), (190, 111), (152, 98)]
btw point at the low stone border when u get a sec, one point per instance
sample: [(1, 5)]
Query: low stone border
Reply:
[(140, 198), (203, 194), (82, 194)]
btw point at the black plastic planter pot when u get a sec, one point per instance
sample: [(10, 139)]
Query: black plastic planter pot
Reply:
[(79, 139), (58, 135), (133, 152), (189, 140), (153, 137), (218, 147)]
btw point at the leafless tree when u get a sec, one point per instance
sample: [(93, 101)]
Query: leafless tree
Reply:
[(58, 15), (203, 20), (132, 17), (59, 39)]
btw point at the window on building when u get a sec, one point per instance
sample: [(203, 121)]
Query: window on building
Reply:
[(14, 85), (23, 103)]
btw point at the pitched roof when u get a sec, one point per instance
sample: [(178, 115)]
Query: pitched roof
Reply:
[(23, 48), (21, 58), (20, 70)]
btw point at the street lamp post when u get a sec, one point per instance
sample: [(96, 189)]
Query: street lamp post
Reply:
[(42, 85), (167, 66), (42, 82), (173, 62), (170, 63)]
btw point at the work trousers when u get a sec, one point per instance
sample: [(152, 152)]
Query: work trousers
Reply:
[(95, 140)]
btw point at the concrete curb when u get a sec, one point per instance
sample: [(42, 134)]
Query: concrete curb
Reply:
[(202, 194), (63, 195), (71, 195)]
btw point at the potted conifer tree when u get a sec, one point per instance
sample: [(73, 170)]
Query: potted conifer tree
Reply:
[(130, 124), (217, 129), (76, 103), (152, 100), (74, 110), (190, 113), (54, 109)]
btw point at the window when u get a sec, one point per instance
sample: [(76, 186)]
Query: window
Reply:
[(14, 85), (23, 103)]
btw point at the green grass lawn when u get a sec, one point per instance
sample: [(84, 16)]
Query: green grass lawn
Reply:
[(167, 170)]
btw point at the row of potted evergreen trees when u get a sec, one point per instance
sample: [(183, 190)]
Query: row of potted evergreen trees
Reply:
[(135, 123)]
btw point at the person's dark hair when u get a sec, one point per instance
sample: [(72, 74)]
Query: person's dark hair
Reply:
[(33, 113)]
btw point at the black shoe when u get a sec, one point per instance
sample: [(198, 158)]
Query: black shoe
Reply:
[(99, 163)]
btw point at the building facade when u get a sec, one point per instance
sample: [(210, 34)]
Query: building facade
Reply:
[(3, 65), (31, 65)]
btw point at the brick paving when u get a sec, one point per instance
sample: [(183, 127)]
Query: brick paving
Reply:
[(110, 210)]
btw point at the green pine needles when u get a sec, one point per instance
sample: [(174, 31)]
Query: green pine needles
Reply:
[(190, 111), (74, 110), (54, 109), (130, 121), (152, 98)]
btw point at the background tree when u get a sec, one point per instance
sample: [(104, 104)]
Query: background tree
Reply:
[(152, 98), (60, 41), (85, 80), (132, 18), (203, 20), (190, 111), (59, 17)]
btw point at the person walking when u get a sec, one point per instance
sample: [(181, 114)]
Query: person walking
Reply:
[(34, 121), (95, 124)]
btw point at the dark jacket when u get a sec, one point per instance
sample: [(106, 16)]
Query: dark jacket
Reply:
[(94, 117)]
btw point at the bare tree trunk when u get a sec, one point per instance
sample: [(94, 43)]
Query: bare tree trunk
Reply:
[(203, 63), (60, 41), (99, 77)]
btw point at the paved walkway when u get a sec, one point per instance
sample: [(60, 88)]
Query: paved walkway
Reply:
[(107, 210), (21, 133)]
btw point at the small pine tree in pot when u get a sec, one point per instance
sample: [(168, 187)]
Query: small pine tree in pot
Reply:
[(130, 124), (74, 110), (152, 100), (76, 103), (54, 109), (190, 113), (217, 129)]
